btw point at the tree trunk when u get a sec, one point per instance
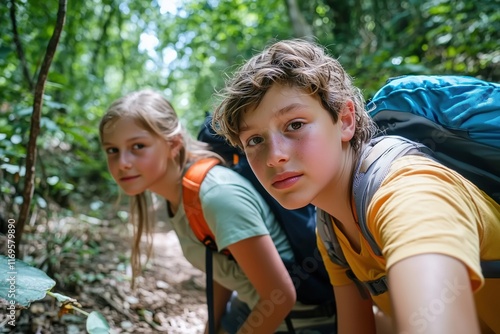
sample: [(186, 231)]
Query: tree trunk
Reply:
[(342, 16)]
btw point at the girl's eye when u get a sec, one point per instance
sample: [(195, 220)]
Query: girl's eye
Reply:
[(295, 126), (254, 141), (111, 150), (137, 146)]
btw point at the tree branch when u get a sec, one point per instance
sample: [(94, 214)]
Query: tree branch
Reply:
[(35, 122), (19, 47)]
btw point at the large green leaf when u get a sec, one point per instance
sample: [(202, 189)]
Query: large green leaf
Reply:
[(21, 283), (97, 324)]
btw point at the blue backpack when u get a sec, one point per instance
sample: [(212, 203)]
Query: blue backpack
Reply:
[(453, 119)]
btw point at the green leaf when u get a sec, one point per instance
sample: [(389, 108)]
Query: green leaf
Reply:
[(13, 169), (97, 324), (22, 283), (25, 111), (62, 298), (4, 52), (48, 124)]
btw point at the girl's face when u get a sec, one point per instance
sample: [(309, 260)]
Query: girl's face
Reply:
[(294, 147), (137, 159)]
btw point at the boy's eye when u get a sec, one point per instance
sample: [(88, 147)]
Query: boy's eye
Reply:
[(254, 141), (295, 126)]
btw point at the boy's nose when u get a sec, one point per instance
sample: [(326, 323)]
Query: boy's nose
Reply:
[(276, 154)]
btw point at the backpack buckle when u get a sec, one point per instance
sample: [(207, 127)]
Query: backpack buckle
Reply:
[(378, 286)]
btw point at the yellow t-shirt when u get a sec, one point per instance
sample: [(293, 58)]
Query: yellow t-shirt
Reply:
[(423, 207)]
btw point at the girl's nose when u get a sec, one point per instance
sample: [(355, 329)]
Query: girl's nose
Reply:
[(125, 161), (276, 151)]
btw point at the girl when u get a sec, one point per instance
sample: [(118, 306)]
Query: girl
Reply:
[(148, 149)]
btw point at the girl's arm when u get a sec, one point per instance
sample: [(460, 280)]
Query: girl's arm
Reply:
[(431, 293), (261, 263), (354, 314), (221, 297)]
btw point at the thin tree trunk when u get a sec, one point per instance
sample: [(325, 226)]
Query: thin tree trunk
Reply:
[(344, 16), (301, 29), (101, 41), (35, 124)]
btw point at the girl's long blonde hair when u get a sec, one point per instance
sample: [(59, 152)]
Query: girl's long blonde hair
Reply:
[(151, 111)]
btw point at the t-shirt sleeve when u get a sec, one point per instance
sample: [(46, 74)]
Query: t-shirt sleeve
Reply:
[(422, 208), (336, 273), (233, 209)]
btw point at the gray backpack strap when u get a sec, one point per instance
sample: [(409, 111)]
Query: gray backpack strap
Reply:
[(335, 253), (329, 239), (372, 168)]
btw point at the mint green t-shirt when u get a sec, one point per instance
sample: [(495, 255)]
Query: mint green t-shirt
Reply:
[(234, 211)]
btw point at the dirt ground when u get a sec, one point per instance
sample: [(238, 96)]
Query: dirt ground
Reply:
[(169, 296)]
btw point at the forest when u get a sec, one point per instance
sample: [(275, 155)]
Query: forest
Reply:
[(63, 62)]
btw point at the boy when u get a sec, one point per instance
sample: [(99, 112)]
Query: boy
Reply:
[(303, 126)]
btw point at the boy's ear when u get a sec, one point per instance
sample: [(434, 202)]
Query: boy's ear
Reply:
[(348, 118)]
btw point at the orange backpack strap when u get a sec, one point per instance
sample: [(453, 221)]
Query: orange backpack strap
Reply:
[(191, 183)]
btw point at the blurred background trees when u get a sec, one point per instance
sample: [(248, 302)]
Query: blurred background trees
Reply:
[(186, 48)]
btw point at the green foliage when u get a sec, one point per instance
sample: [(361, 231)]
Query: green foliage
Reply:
[(185, 49), (21, 284), (390, 38), (210, 38)]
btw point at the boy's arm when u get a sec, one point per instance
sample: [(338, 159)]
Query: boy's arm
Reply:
[(261, 263), (221, 297), (354, 314), (431, 293)]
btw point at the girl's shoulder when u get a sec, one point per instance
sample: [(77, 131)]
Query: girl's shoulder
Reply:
[(222, 175), (227, 183)]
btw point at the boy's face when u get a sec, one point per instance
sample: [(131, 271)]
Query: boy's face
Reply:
[(294, 147)]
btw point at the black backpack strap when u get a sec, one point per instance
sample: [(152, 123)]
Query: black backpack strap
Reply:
[(289, 325), (326, 310), (491, 269), (210, 289)]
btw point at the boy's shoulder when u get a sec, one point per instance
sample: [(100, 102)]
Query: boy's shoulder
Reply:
[(410, 170), (419, 165)]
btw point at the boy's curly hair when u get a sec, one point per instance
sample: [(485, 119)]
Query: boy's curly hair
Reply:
[(297, 63)]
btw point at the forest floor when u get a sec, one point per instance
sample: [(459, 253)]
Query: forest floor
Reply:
[(89, 262)]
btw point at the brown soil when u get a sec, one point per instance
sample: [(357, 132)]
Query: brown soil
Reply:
[(169, 296)]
